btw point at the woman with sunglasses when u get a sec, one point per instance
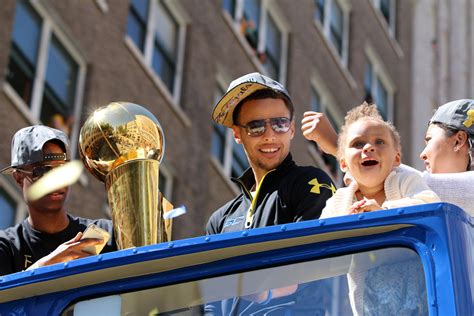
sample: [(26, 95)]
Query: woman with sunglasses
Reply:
[(49, 234), (274, 189), (447, 154)]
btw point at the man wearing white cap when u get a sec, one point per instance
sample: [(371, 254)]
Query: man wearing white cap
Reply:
[(274, 189)]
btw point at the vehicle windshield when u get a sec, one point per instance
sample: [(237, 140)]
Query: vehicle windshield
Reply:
[(378, 282)]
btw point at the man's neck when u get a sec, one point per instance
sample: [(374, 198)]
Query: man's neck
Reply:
[(48, 222)]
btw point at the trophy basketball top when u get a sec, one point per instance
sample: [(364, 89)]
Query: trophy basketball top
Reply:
[(118, 133)]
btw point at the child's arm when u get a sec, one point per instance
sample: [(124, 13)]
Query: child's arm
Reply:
[(317, 127)]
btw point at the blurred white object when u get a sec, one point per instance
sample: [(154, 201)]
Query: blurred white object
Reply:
[(55, 179), (175, 212)]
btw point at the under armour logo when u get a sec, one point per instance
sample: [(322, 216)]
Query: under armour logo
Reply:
[(470, 119), (317, 186)]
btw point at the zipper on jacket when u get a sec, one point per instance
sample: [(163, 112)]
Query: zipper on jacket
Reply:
[(251, 211)]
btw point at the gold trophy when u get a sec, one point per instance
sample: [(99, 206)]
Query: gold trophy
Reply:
[(122, 144)]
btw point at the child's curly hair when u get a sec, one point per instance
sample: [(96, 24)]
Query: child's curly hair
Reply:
[(364, 112)]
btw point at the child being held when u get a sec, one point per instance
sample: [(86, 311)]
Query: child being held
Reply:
[(369, 149)]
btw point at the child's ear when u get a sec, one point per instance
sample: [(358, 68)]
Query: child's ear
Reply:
[(236, 133), (343, 165), (398, 159)]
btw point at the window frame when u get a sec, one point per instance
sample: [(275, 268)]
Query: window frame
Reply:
[(226, 165), (325, 28), (391, 24), (380, 74), (329, 105), (268, 8), (146, 57), (166, 173), (32, 111)]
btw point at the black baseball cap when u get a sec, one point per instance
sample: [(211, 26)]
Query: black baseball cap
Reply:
[(27, 146), (457, 114), (238, 90)]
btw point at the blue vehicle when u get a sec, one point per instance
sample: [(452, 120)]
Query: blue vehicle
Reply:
[(312, 263)]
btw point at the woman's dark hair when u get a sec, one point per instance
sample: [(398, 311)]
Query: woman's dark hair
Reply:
[(450, 131), (263, 94)]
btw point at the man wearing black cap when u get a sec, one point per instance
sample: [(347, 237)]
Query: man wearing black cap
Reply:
[(48, 235), (274, 189)]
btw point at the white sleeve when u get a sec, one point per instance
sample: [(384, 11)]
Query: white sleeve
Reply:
[(329, 209), (413, 191), (454, 188)]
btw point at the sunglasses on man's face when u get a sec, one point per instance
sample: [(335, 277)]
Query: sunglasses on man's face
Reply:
[(280, 125), (38, 172)]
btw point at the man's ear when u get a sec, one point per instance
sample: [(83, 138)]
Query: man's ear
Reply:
[(236, 133)]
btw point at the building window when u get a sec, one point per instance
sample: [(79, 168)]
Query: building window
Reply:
[(336, 26), (387, 9), (165, 182), (44, 70), (272, 55), (322, 104), (260, 23), (333, 18), (229, 6), (158, 30), (8, 209), (230, 155), (12, 207), (319, 13), (137, 22), (376, 91)]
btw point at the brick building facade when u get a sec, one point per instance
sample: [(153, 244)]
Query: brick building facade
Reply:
[(177, 58)]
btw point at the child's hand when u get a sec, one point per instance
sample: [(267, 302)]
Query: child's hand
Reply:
[(365, 205)]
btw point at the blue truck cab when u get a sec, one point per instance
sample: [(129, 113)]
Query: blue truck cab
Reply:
[(415, 260)]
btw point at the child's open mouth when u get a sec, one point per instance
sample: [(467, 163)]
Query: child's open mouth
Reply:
[(369, 163)]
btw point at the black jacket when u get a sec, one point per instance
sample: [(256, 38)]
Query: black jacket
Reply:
[(21, 246), (287, 194)]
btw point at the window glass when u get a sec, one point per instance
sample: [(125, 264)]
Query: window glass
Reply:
[(162, 184), (164, 52), (375, 91), (329, 160), (218, 142), (368, 83), (319, 13), (26, 31), (239, 160), (315, 101), (250, 23), (271, 61), (24, 50), (385, 9), (137, 22), (380, 282), (58, 100), (7, 210), (229, 6), (336, 26), (381, 99)]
